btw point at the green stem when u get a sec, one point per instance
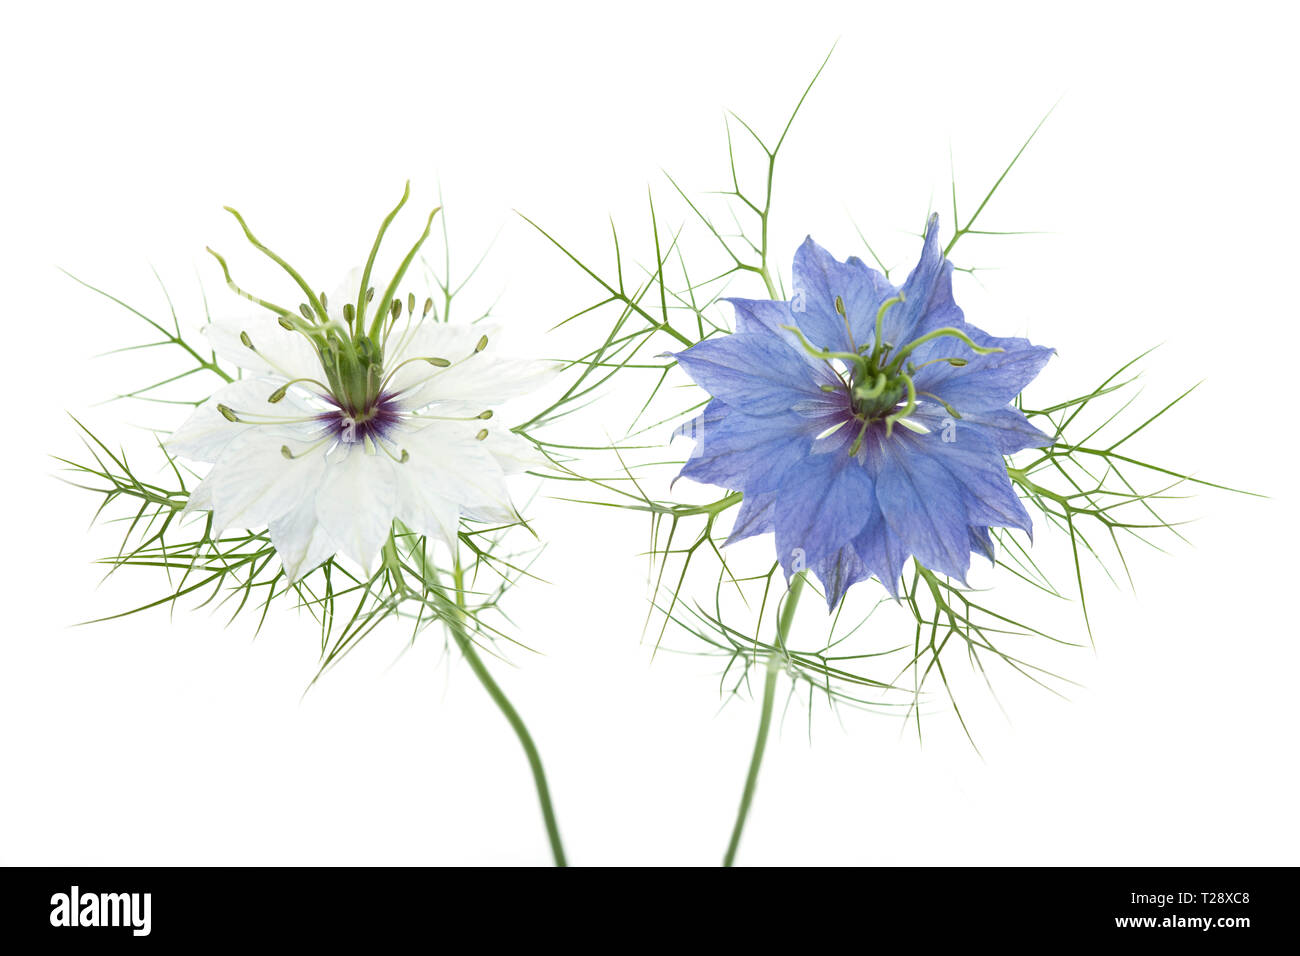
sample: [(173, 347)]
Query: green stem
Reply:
[(455, 624), (525, 739), (774, 662)]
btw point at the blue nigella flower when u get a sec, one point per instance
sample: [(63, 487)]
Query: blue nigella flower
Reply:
[(864, 424)]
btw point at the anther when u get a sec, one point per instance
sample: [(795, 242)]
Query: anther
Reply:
[(285, 323), (482, 344), (227, 414), (370, 294), (324, 303), (839, 307), (483, 433), (440, 362), (485, 415), (410, 303), (406, 456), (396, 309), (305, 310), (278, 394), (857, 442), (428, 307), (349, 312), (284, 450), (248, 342)]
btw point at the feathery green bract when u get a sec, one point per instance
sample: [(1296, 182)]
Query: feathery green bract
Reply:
[(878, 655), (240, 573)]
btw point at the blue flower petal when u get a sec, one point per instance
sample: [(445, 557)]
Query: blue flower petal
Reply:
[(772, 317), (882, 551), (927, 295), (1008, 429), (828, 500), (981, 543), (979, 470), (746, 453), (751, 372), (924, 506), (838, 571), (782, 424), (818, 278), (755, 516), (762, 315), (985, 382)]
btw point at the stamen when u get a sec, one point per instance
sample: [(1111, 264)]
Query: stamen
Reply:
[(946, 407), (857, 442), (428, 307), (947, 331), (305, 310), (429, 417), (290, 456), (482, 344), (436, 361), (410, 303), (483, 433), (825, 354), (278, 394), (252, 418), (839, 307), (248, 342)]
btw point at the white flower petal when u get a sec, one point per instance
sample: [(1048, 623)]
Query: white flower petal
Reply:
[(253, 483), (300, 540), (355, 502), (207, 432), (279, 352), (481, 380), (200, 499), (447, 462), (514, 454), (423, 510), (425, 340)]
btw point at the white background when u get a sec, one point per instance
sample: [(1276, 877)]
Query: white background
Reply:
[(1166, 180)]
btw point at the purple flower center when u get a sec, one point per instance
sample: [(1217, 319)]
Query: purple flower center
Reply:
[(375, 421)]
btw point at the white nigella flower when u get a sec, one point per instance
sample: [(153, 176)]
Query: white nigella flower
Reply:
[(353, 415)]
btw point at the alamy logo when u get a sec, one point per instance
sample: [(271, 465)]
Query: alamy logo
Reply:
[(101, 909)]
